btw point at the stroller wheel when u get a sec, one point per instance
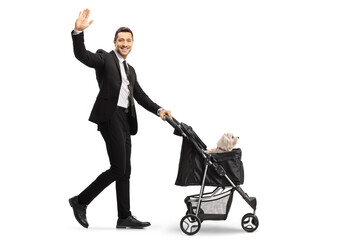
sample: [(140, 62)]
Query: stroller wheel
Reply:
[(201, 212), (190, 224), (249, 222)]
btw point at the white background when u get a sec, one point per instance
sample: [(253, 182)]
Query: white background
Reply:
[(280, 74)]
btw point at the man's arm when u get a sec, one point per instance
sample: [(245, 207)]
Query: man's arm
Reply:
[(142, 98), (86, 57)]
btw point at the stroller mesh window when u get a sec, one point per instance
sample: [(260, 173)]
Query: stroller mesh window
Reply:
[(212, 207)]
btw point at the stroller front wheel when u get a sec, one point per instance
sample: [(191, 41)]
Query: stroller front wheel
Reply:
[(190, 224), (249, 222)]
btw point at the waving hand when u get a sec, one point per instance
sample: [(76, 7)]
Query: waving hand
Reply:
[(82, 22)]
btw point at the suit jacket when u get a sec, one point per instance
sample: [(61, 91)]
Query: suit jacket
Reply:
[(109, 79)]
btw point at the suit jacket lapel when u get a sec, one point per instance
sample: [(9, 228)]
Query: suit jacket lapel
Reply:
[(132, 76), (117, 63)]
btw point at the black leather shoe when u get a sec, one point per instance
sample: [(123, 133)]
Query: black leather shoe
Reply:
[(79, 211), (131, 222)]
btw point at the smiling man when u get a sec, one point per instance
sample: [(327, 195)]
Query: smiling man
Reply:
[(114, 113)]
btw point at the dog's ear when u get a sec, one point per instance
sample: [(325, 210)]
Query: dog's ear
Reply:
[(225, 142), (221, 140)]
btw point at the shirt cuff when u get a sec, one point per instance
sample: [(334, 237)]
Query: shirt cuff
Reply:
[(159, 110), (76, 32)]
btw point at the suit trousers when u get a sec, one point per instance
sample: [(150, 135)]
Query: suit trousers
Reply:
[(116, 133)]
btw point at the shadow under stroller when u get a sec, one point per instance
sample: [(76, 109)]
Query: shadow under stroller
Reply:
[(226, 170)]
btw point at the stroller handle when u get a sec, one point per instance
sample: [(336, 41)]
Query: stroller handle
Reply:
[(186, 131), (174, 123)]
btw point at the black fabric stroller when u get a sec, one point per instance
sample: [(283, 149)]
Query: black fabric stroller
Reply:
[(226, 173)]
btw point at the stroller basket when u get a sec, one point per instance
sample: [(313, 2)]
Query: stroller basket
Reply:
[(213, 207)]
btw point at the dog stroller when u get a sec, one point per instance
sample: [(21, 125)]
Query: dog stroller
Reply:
[(224, 171)]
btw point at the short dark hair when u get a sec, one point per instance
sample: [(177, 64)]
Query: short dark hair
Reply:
[(123, 29)]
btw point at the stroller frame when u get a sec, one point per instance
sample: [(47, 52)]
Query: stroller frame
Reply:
[(190, 224)]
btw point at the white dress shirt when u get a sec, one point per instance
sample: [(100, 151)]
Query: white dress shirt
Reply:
[(123, 100)]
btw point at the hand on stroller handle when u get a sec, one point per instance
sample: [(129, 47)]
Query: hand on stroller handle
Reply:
[(163, 113), (172, 121)]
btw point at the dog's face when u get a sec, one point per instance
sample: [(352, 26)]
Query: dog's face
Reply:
[(227, 141)]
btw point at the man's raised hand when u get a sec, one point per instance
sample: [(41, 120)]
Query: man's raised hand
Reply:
[(82, 22)]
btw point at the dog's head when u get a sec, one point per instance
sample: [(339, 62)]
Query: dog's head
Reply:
[(227, 142)]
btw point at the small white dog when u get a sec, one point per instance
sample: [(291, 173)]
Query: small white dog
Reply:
[(225, 144)]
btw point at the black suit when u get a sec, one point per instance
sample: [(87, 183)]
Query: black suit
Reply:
[(115, 124)]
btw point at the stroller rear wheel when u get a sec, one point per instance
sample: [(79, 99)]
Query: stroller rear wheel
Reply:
[(190, 224), (249, 222)]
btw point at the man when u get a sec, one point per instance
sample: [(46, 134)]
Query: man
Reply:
[(114, 113)]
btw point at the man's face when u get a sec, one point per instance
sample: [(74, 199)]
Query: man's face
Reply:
[(123, 43)]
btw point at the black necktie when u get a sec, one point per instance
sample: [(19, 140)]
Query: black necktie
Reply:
[(126, 70), (131, 98)]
